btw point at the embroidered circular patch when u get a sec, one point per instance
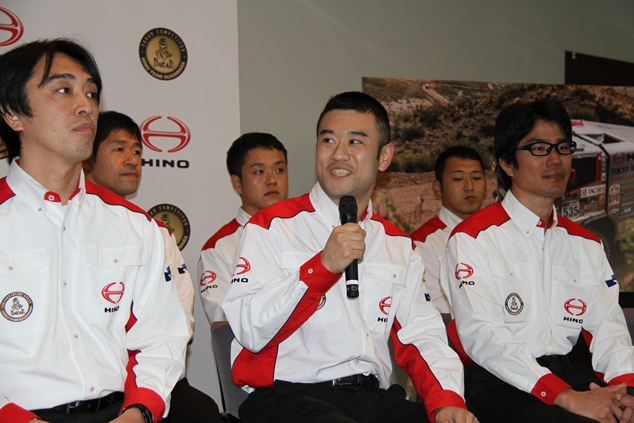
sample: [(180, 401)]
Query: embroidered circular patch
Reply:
[(16, 306), (514, 304)]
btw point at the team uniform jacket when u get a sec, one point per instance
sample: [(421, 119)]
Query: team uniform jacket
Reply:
[(215, 265), (87, 302), (518, 292), (431, 240), (180, 275), (293, 318)]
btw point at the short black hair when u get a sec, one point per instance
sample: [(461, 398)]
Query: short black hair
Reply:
[(17, 67), (515, 122), (237, 153), (459, 151), (362, 103), (111, 121)]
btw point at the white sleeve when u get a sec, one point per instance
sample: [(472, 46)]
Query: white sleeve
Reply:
[(214, 274), (432, 254), (182, 279), (433, 366), (157, 333)]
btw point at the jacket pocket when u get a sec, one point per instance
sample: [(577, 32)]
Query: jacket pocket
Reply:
[(26, 296)]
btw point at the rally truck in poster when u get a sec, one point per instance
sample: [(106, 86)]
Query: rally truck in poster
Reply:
[(600, 193)]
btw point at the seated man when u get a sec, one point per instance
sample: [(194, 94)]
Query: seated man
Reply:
[(461, 185), (91, 324), (115, 164), (307, 350), (524, 283), (257, 164)]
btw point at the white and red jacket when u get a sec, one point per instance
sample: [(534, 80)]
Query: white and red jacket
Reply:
[(519, 291), (431, 240), (215, 266), (86, 300), (296, 324), (180, 275)]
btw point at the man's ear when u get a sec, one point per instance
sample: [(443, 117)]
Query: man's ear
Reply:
[(385, 156), (236, 183), (87, 165), (13, 120), (437, 188), (506, 167)]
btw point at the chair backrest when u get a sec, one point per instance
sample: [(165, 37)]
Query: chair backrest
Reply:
[(232, 396)]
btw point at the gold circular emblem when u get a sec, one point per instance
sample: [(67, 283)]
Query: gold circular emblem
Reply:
[(163, 53), (175, 220), (16, 306)]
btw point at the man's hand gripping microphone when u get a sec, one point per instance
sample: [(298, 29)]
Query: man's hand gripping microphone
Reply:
[(348, 214)]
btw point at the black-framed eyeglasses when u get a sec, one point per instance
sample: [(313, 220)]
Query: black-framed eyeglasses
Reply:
[(543, 148)]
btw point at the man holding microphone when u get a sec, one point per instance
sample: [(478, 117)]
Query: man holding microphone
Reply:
[(309, 350)]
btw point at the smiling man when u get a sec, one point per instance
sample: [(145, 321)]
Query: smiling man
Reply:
[(258, 167), (461, 185), (306, 351), (524, 284), (92, 330)]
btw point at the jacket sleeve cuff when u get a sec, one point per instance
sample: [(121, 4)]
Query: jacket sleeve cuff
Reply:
[(548, 387), (14, 413), (442, 399), (148, 398), (627, 378), (315, 275)]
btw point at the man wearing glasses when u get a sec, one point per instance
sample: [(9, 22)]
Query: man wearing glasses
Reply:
[(524, 284)]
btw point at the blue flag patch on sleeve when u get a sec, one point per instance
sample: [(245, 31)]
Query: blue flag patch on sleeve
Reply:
[(611, 282)]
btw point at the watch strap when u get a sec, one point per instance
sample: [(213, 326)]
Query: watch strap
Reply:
[(147, 415)]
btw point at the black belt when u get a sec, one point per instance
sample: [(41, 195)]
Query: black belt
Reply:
[(86, 406), (356, 380)]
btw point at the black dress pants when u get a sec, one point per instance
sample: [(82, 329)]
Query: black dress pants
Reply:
[(494, 401), (287, 402)]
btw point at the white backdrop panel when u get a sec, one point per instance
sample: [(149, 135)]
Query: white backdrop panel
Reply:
[(205, 97)]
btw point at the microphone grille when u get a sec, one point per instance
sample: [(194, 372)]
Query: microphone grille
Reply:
[(348, 206)]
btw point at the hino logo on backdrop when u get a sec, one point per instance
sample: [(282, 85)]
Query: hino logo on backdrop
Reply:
[(157, 138), (10, 32)]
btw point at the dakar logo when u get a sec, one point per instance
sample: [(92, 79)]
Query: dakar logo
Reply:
[(514, 304), (463, 271), (163, 54), (243, 266), (207, 277), (183, 135), (175, 220), (385, 304), (575, 306), (14, 29), (16, 306), (113, 292)]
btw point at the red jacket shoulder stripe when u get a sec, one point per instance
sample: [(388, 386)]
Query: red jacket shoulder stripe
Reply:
[(226, 230), (113, 199), (432, 225), (492, 215), (5, 191), (390, 229), (282, 210), (575, 229)]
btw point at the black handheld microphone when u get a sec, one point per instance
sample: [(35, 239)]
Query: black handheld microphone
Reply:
[(347, 214)]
